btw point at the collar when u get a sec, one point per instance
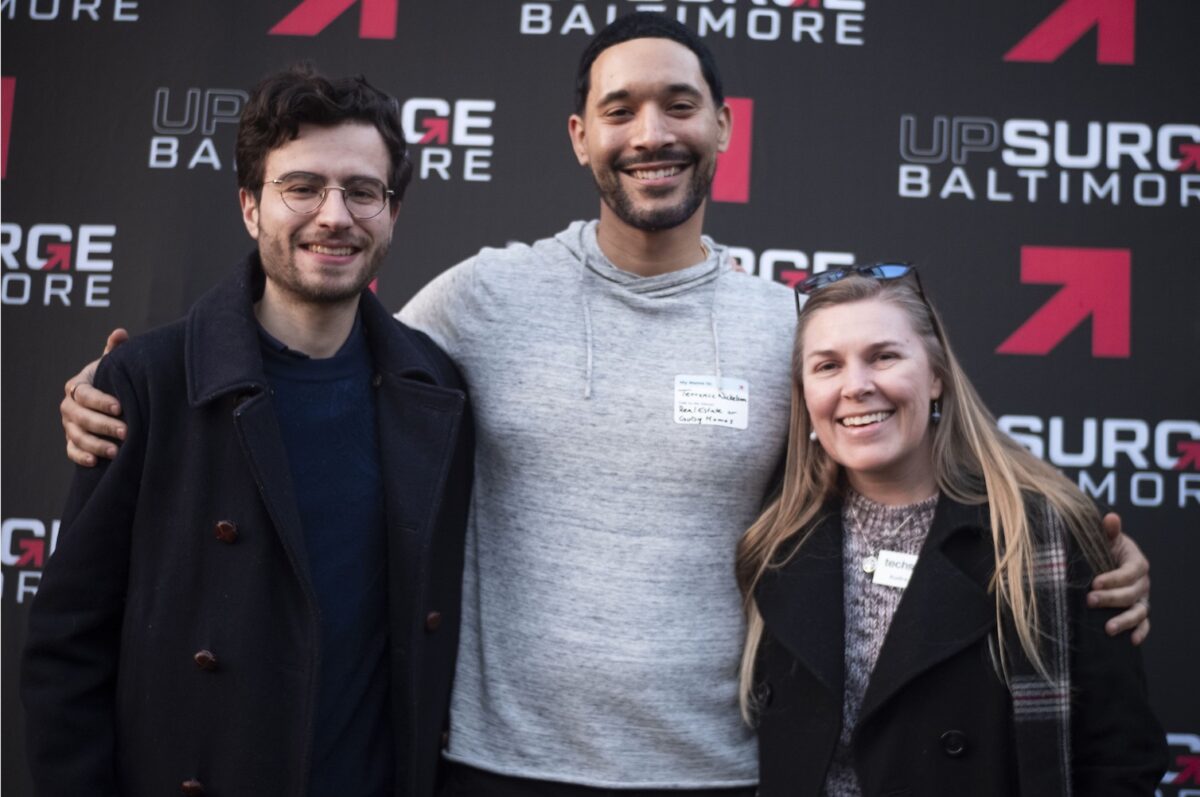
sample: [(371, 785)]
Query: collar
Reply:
[(223, 355), (947, 601), (715, 261), (276, 345)]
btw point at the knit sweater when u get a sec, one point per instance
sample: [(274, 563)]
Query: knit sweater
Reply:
[(869, 529), (602, 625)]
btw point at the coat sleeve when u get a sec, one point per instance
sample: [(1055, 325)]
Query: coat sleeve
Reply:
[(69, 665), (1118, 746)]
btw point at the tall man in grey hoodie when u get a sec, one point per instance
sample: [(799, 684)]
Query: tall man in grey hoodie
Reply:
[(631, 390)]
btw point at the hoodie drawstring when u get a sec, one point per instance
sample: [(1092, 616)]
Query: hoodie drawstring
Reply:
[(588, 337), (712, 314), (587, 331)]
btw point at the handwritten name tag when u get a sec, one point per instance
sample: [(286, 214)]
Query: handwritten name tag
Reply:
[(894, 569), (701, 401)]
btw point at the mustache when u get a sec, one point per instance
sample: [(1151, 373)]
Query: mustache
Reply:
[(333, 241), (682, 156)]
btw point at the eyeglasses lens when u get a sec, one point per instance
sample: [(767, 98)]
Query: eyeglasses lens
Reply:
[(364, 198)]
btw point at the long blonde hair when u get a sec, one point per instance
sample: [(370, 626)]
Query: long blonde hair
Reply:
[(973, 463)]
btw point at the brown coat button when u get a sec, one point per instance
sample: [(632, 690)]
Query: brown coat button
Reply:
[(192, 788), (205, 660), (433, 621), (227, 531)]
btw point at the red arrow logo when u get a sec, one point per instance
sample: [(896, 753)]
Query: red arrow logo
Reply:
[(32, 553), (436, 130), (791, 277), (1189, 769), (731, 183), (1189, 454), (1189, 157), (7, 86), (1095, 282), (58, 256), (1071, 21), (376, 21)]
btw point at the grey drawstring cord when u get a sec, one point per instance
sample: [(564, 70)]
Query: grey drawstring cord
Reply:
[(589, 337), (712, 315), (587, 329)]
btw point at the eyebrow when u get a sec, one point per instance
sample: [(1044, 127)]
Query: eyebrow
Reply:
[(673, 89), (352, 178), (883, 344)]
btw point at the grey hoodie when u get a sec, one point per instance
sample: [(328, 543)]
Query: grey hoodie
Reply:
[(602, 625)]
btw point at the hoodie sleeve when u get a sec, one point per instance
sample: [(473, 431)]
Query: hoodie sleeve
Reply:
[(447, 308)]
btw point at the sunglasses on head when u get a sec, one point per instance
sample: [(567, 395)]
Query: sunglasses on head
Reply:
[(878, 271)]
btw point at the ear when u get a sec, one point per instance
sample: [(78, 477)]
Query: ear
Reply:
[(936, 391), (725, 125), (394, 211), (249, 211), (578, 132)]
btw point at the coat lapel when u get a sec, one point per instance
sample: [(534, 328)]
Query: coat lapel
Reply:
[(946, 606), (223, 359), (419, 423), (801, 603), (262, 443)]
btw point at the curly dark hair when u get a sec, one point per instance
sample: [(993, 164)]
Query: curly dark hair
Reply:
[(283, 101)]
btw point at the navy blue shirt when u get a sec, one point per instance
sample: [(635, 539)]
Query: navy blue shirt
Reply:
[(326, 411)]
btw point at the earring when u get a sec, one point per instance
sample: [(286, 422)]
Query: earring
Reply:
[(813, 435), (935, 414)]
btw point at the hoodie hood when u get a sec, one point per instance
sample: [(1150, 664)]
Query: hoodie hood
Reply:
[(597, 273), (580, 241)]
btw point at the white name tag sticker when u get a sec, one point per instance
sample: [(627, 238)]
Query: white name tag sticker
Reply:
[(701, 401), (894, 569)]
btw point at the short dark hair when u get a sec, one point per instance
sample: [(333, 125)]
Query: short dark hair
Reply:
[(645, 25), (283, 101)]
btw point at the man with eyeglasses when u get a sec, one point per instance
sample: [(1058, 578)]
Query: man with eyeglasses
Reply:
[(259, 594), (631, 393)]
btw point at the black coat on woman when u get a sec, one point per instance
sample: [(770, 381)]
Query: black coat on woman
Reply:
[(173, 644), (937, 718)]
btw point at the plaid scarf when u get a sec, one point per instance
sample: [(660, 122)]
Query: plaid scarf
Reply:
[(1041, 706)]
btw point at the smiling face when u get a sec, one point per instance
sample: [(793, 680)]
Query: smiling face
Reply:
[(650, 133), (326, 257), (868, 385)]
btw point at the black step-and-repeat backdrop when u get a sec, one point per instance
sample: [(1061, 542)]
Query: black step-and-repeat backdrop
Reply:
[(1039, 159)]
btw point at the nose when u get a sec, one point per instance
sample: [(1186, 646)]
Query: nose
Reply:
[(654, 129), (333, 212), (858, 381)]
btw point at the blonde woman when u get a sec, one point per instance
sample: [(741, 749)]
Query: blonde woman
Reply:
[(961, 659)]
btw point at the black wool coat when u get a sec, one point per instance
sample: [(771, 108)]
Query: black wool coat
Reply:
[(173, 641), (936, 718)]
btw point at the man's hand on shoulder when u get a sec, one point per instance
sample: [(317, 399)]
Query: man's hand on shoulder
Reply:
[(89, 415), (1127, 587)]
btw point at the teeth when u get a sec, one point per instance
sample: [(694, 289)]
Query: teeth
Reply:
[(656, 174), (331, 250), (863, 420)]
